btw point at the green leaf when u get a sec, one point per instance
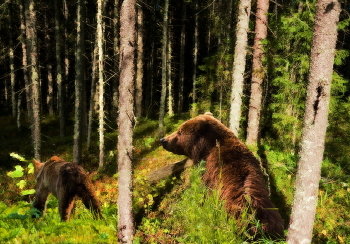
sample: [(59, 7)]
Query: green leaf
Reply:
[(18, 172), (30, 168), (17, 216), (21, 184), (28, 192), (18, 157)]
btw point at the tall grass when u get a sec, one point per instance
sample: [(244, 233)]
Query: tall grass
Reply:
[(199, 216), (18, 226)]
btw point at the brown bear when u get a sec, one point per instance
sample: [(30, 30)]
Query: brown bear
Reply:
[(66, 181), (230, 167)]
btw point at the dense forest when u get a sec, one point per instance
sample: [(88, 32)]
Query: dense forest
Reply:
[(61, 85)]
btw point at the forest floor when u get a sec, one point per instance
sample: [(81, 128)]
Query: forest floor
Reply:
[(177, 209)]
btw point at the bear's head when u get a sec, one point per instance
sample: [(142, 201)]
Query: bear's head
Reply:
[(38, 165), (196, 137)]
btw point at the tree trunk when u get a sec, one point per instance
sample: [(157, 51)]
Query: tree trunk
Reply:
[(48, 64), (161, 131), (66, 55), (23, 40), (12, 65), (30, 16), (125, 121), (239, 64), (100, 82), (315, 122), (59, 78), (169, 78), (139, 75), (195, 61), (258, 72), (79, 79), (116, 55), (182, 59), (93, 92)]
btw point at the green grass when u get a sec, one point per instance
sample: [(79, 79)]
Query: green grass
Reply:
[(17, 225)]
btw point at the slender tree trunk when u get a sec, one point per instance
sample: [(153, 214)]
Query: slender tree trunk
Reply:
[(59, 72), (23, 40), (66, 54), (30, 15), (12, 65), (239, 64), (195, 61), (93, 92), (49, 97), (169, 79), (125, 120), (19, 110), (161, 131), (182, 58), (139, 75), (79, 79), (258, 72), (116, 55), (100, 82), (315, 122), (150, 67)]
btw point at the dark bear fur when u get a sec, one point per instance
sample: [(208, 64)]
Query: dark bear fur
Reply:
[(230, 165), (65, 181)]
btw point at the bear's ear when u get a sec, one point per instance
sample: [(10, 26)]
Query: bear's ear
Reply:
[(56, 159), (209, 114), (37, 165)]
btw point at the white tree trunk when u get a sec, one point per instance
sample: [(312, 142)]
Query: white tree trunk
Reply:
[(30, 14), (100, 83), (126, 120), (315, 122), (239, 64)]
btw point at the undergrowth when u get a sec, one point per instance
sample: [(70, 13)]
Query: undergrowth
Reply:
[(18, 226), (178, 209)]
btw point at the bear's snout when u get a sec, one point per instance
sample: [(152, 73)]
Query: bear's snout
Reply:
[(163, 141)]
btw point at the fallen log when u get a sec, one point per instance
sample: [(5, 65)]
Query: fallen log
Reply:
[(170, 169)]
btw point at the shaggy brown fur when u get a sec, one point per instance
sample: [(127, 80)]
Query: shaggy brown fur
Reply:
[(230, 166), (65, 181)]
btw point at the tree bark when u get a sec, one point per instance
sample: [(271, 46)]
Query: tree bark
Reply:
[(239, 64), (115, 55), (23, 40), (125, 121), (30, 17), (59, 72), (182, 59), (315, 122), (67, 62), (258, 72), (100, 83), (139, 75), (12, 65), (79, 79), (93, 92), (161, 131), (195, 61), (48, 64), (169, 78)]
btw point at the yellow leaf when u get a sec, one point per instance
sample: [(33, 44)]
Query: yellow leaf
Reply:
[(341, 239)]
